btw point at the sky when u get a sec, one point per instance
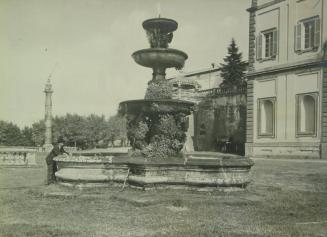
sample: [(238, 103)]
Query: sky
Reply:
[(86, 46)]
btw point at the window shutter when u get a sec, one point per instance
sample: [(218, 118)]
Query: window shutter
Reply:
[(297, 37), (316, 39), (259, 47), (275, 44)]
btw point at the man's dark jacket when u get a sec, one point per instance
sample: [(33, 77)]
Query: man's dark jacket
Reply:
[(56, 151)]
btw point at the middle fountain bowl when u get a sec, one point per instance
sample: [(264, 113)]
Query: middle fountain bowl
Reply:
[(160, 57)]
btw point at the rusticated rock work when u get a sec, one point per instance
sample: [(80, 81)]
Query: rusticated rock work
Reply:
[(156, 128)]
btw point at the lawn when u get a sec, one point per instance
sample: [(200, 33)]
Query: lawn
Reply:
[(286, 198)]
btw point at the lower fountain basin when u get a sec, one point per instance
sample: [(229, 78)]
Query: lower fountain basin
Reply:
[(196, 171), (169, 106), (160, 57)]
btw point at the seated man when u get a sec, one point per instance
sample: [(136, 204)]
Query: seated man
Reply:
[(58, 149)]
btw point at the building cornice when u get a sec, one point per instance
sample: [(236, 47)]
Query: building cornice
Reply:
[(205, 71), (199, 72), (268, 4), (287, 67)]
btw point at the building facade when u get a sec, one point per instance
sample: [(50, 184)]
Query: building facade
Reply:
[(287, 79)]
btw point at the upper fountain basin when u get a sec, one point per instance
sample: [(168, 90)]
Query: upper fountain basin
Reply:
[(160, 57), (164, 24)]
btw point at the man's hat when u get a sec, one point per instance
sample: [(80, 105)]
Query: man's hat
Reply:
[(61, 139)]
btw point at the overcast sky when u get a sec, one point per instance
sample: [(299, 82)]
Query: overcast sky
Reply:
[(88, 46)]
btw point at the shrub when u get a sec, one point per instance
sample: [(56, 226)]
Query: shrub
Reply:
[(159, 90)]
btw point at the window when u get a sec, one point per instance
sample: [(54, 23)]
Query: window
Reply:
[(307, 34), (266, 117), (306, 114), (267, 44)]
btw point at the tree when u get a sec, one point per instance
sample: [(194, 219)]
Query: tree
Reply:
[(10, 134), (95, 130), (27, 136), (233, 71), (38, 130), (72, 128), (116, 129), (121, 123), (80, 131)]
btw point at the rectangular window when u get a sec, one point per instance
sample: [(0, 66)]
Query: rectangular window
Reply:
[(306, 114), (266, 44), (266, 117), (307, 34)]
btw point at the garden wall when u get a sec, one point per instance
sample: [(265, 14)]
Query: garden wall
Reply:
[(22, 168), (220, 124)]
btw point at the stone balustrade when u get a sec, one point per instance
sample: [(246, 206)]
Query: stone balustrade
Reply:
[(216, 92), (18, 157)]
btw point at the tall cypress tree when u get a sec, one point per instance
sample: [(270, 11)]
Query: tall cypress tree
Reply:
[(233, 71)]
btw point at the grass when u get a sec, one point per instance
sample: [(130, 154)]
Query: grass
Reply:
[(286, 198)]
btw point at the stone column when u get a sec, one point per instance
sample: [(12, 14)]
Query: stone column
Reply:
[(48, 117)]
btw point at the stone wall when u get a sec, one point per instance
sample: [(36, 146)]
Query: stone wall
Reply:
[(220, 124), (22, 168), (18, 158)]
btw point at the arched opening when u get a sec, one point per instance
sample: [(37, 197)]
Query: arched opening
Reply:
[(306, 116), (266, 117)]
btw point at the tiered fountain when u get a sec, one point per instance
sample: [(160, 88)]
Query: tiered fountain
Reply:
[(157, 124), (156, 130)]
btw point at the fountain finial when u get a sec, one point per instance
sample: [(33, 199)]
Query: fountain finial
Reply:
[(158, 9), (159, 32)]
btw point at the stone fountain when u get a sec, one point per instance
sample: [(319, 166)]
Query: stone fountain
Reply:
[(157, 124), (156, 130)]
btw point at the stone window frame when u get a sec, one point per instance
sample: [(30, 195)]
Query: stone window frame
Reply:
[(298, 133), (261, 45), (299, 35), (274, 120)]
